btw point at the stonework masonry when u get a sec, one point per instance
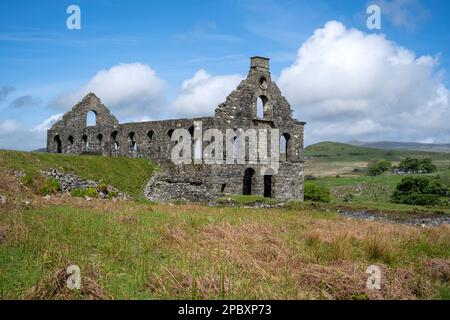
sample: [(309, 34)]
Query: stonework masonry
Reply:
[(152, 139)]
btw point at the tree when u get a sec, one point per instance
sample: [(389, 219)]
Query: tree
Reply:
[(427, 166), (420, 191), (412, 165), (409, 165), (314, 192), (379, 167)]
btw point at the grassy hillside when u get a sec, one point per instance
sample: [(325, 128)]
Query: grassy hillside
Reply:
[(341, 168), (129, 250), (139, 250), (128, 175), (333, 151)]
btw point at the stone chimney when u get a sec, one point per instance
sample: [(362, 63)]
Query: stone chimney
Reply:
[(260, 64)]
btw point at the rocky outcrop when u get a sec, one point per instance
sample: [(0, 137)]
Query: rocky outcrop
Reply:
[(71, 182), (160, 190)]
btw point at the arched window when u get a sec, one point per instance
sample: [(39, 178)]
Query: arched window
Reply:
[(100, 140), (84, 138), (284, 147), (170, 132), (58, 144), (132, 141), (91, 118), (150, 135), (114, 144), (70, 139), (261, 108)]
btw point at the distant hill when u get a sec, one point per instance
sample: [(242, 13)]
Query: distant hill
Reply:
[(334, 151), (392, 145), (40, 150)]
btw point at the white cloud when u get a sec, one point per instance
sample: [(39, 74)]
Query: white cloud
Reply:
[(46, 124), (352, 85), (8, 125), (202, 93), (15, 136), (128, 90)]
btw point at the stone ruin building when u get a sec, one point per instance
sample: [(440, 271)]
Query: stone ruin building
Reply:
[(152, 140)]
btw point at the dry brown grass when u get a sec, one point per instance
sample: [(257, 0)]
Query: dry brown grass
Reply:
[(56, 288), (258, 253)]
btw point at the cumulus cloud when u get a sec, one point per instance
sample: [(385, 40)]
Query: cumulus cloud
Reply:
[(129, 90), (15, 136), (201, 94), (352, 85), (46, 124), (8, 125), (25, 101)]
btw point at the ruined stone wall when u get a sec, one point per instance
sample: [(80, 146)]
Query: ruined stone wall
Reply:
[(152, 139)]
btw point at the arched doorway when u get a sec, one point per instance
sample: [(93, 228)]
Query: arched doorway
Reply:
[(58, 143), (268, 186), (248, 181)]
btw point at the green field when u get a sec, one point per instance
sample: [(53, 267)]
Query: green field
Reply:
[(128, 175), (140, 250), (333, 165)]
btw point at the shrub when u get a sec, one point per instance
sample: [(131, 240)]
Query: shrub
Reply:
[(412, 165), (427, 166), (50, 186), (313, 192), (348, 197), (310, 177), (27, 180), (420, 191), (103, 188), (81, 193), (378, 167), (113, 194)]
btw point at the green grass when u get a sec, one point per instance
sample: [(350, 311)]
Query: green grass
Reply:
[(333, 151), (248, 199), (126, 174), (144, 251), (138, 250), (328, 160)]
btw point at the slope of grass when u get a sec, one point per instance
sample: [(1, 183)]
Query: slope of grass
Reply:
[(142, 251), (333, 151), (333, 165), (128, 175)]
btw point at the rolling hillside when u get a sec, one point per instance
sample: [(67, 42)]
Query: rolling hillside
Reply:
[(334, 151), (126, 174), (393, 145)]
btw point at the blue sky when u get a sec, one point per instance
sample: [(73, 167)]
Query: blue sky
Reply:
[(42, 62)]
